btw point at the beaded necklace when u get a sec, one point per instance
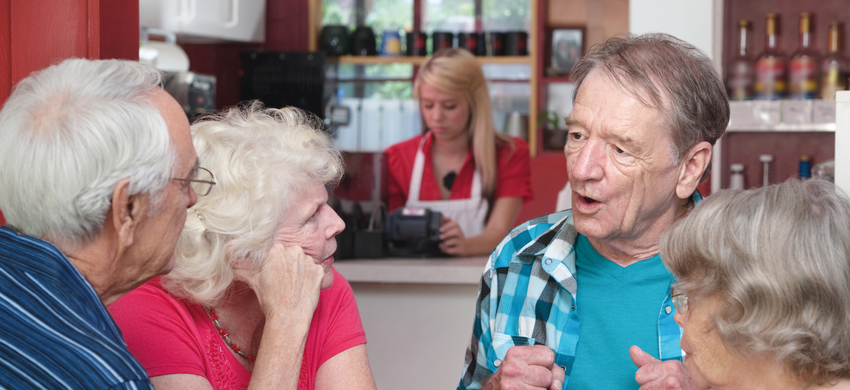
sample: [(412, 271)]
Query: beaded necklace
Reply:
[(226, 337)]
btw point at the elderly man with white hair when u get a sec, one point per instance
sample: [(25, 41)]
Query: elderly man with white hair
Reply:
[(95, 162)]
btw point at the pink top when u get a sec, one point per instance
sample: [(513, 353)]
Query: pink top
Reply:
[(173, 336)]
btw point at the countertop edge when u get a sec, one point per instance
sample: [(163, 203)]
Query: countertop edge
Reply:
[(465, 270)]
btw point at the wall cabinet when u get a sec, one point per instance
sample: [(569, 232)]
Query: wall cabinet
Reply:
[(207, 21)]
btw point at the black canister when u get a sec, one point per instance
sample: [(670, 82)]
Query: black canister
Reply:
[(416, 43), (363, 42), (481, 50), (468, 41), (496, 43), (442, 40), (516, 43), (335, 41)]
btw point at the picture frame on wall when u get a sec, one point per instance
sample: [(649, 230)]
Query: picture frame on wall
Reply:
[(565, 46)]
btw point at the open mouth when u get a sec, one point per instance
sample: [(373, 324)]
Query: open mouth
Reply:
[(589, 200)]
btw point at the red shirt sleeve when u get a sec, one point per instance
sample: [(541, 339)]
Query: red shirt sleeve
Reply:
[(514, 166), (159, 331)]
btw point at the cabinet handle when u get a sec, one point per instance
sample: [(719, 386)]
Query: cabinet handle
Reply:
[(234, 13), (189, 9)]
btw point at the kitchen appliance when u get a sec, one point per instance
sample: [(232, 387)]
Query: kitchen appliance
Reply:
[(414, 232), (281, 79), (516, 43), (468, 41), (441, 40), (391, 43), (193, 91), (416, 43), (363, 42), (335, 40)]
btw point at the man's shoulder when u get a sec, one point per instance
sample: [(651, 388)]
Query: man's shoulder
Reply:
[(528, 240), (54, 342)]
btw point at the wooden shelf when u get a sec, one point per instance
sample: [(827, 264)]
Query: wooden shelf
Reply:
[(381, 60), (555, 79)]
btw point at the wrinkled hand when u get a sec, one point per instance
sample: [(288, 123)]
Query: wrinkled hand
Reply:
[(653, 374), (452, 240), (528, 367), (288, 282)]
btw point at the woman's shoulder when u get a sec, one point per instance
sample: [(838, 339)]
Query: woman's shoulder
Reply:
[(405, 147), (148, 299), (511, 146)]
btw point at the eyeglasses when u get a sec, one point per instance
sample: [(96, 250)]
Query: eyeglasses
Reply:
[(202, 182), (681, 302)]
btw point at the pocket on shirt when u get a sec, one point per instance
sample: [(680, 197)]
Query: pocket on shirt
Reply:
[(503, 342)]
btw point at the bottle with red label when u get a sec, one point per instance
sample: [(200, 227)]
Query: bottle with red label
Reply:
[(740, 71), (803, 65), (770, 65)]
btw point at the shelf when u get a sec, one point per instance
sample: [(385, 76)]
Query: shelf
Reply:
[(380, 60), (785, 127), (555, 79)]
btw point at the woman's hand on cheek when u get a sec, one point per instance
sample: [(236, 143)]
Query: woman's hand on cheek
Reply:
[(452, 240), (288, 282)]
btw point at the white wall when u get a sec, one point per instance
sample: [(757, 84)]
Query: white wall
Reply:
[(698, 22)]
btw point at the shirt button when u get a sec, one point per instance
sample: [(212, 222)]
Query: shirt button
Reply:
[(548, 261), (497, 362), (564, 368), (668, 309)]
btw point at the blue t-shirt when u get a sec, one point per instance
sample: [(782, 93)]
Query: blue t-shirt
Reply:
[(618, 307)]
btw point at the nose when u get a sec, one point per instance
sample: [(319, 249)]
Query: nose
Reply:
[(193, 197), (336, 226), (586, 162), (679, 318)]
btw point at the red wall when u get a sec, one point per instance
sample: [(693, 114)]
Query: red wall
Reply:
[(37, 33)]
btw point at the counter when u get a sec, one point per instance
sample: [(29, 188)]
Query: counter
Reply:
[(418, 316), (441, 270)]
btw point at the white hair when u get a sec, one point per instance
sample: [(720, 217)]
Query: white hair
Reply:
[(262, 160), (68, 135)]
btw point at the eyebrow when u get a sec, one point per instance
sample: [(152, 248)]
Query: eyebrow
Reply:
[(195, 168), (626, 141)]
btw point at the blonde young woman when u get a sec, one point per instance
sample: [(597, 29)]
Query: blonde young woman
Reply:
[(253, 301), (477, 178)]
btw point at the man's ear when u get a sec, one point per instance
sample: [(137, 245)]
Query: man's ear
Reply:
[(691, 169), (126, 211)]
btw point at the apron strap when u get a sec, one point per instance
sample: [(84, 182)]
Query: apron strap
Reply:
[(418, 168)]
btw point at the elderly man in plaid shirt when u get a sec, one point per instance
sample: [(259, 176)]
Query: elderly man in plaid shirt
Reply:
[(580, 299)]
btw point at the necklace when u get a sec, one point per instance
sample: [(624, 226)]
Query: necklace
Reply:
[(226, 337)]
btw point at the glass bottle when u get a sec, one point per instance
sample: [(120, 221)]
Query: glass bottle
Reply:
[(740, 71), (802, 67), (833, 67), (770, 65)]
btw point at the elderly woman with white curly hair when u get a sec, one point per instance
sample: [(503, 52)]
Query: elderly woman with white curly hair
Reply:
[(253, 300), (763, 292)]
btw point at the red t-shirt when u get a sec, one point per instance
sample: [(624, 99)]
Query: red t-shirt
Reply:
[(513, 167), (172, 336)]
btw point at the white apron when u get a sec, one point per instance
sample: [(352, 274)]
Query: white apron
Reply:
[(470, 214)]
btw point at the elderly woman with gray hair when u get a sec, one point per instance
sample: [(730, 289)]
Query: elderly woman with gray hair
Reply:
[(763, 292), (253, 301)]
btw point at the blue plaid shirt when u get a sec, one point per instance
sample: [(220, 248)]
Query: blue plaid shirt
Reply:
[(527, 297)]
